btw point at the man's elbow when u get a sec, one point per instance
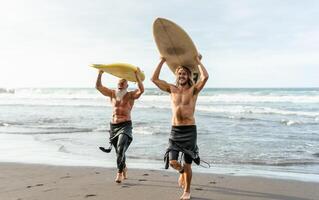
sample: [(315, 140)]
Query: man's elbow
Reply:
[(98, 87), (205, 78), (142, 90), (154, 79)]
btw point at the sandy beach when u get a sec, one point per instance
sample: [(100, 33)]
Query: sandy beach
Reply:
[(26, 181)]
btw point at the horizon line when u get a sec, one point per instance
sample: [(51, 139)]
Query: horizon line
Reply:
[(297, 87)]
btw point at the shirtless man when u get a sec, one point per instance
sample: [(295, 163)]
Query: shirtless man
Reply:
[(183, 137), (121, 125)]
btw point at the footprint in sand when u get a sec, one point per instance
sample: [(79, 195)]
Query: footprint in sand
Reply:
[(198, 188), (125, 186), (142, 180), (48, 190), (37, 185), (65, 177), (90, 195), (145, 174), (212, 182)]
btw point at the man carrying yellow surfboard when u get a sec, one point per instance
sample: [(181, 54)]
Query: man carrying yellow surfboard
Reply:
[(121, 124), (183, 137)]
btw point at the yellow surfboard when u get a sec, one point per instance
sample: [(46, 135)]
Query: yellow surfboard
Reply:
[(121, 70)]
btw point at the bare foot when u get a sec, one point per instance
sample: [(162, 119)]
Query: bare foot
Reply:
[(125, 173), (186, 196), (119, 177), (181, 182)]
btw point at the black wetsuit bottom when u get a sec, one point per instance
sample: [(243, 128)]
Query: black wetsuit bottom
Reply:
[(121, 140), (173, 155), (183, 139)]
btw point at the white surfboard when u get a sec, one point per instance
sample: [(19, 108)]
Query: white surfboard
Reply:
[(175, 46)]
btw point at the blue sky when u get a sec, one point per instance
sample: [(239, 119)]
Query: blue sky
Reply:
[(256, 43)]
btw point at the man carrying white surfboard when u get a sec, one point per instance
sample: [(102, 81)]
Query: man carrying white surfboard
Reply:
[(121, 124), (183, 136)]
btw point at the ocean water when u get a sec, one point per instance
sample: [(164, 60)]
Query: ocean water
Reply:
[(260, 132)]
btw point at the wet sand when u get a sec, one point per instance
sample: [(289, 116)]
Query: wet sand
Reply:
[(26, 182)]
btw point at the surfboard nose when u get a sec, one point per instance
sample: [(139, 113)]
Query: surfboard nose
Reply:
[(158, 18)]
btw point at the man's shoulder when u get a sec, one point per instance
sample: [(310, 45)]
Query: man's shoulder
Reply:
[(130, 94), (173, 87)]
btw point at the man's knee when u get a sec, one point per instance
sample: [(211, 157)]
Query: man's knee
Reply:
[(173, 163), (120, 152)]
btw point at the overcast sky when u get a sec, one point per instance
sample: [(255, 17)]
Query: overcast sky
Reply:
[(244, 43)]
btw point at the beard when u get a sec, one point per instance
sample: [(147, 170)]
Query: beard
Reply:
[(119, 94), (182, 82)]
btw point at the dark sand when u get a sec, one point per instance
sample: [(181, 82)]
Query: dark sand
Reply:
[(26, 182)]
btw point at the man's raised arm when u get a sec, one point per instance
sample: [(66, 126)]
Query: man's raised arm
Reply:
[(137, 93), (203, 75), (104, 90), (163, 85)]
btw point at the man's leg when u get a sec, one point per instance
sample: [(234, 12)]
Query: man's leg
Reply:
[(118, 178), (187, 181), (187, 175), (176, 165), (173, 155), (122, 145)]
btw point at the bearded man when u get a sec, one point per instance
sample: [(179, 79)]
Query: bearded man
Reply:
[(121, 124)]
